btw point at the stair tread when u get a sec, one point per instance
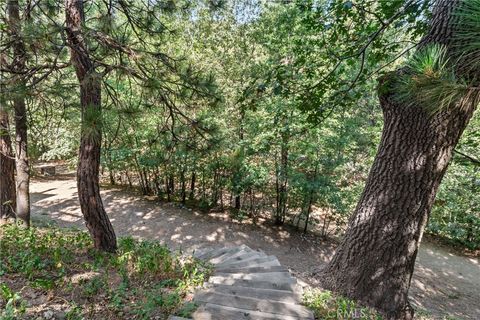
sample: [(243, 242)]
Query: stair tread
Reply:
[(263, 304), (247, 284), (234, 255), (248, 262), (274, 294)]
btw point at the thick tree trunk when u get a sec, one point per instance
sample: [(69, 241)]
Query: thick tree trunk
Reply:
[(91, 204), (375, 261), (7, 170), (21, 155)]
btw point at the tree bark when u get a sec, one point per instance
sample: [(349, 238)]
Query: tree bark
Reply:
[(91, 204), (282, 181), (192, 186), (183, 186), (375, 260), (21, 154), (7, 170)]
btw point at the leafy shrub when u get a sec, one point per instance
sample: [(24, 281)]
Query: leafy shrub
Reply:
[(456, 213), (14, 305), (143, 279)]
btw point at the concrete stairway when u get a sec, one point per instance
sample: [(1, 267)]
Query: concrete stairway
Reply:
[(247, 284)]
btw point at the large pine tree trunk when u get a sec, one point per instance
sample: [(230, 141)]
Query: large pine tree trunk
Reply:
[(22, 167), (375, 261), (91, 203), (7, 170)]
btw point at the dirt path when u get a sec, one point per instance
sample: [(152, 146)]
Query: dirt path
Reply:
[(443, 283)]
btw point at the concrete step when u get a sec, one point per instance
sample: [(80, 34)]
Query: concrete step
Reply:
[(254, 304), (258, 293), (216, 312)]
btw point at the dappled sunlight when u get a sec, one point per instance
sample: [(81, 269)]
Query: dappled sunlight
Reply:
[(448, 280), (182, 228), (440, 277)]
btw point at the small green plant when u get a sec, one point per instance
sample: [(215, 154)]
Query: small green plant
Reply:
[(93, 286), (238, 215), (75, 313), (187, 310), (143, 279), (326, 305), (14, 305), (46, 284)]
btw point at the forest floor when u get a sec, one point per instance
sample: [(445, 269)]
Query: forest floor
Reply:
[(445, 283)]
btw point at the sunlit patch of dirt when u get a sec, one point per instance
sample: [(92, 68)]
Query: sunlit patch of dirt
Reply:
[(444, 282)]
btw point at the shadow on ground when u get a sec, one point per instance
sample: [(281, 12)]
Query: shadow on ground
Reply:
[(443, 283)]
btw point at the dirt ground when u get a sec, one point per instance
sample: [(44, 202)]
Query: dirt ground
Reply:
[(444, 283)]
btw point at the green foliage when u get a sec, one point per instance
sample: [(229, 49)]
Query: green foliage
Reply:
[(430, 81), (431, 61), (151, 279), (455, 215), (214, 94), (187, 310), (11, 304), (92, 123), (467, 32), (327, 305)]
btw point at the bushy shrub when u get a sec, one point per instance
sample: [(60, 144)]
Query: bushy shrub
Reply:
[(456, 213)]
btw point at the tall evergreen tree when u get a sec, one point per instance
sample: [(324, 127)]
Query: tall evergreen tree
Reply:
[(18, 66), (89, 80), (7, 169), (426, 107)]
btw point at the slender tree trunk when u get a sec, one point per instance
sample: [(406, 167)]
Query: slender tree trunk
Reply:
[(183, 186), (171, 182), (22, 166), (7, 170), (237, 176), (112, 177), (215, 188), (192, 186), (143, 183), (237, 202), (282, 182), (148, 189), (157, 181), (169, 191), (375, 261), (111, 171), (91, 203), (130, 183)]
